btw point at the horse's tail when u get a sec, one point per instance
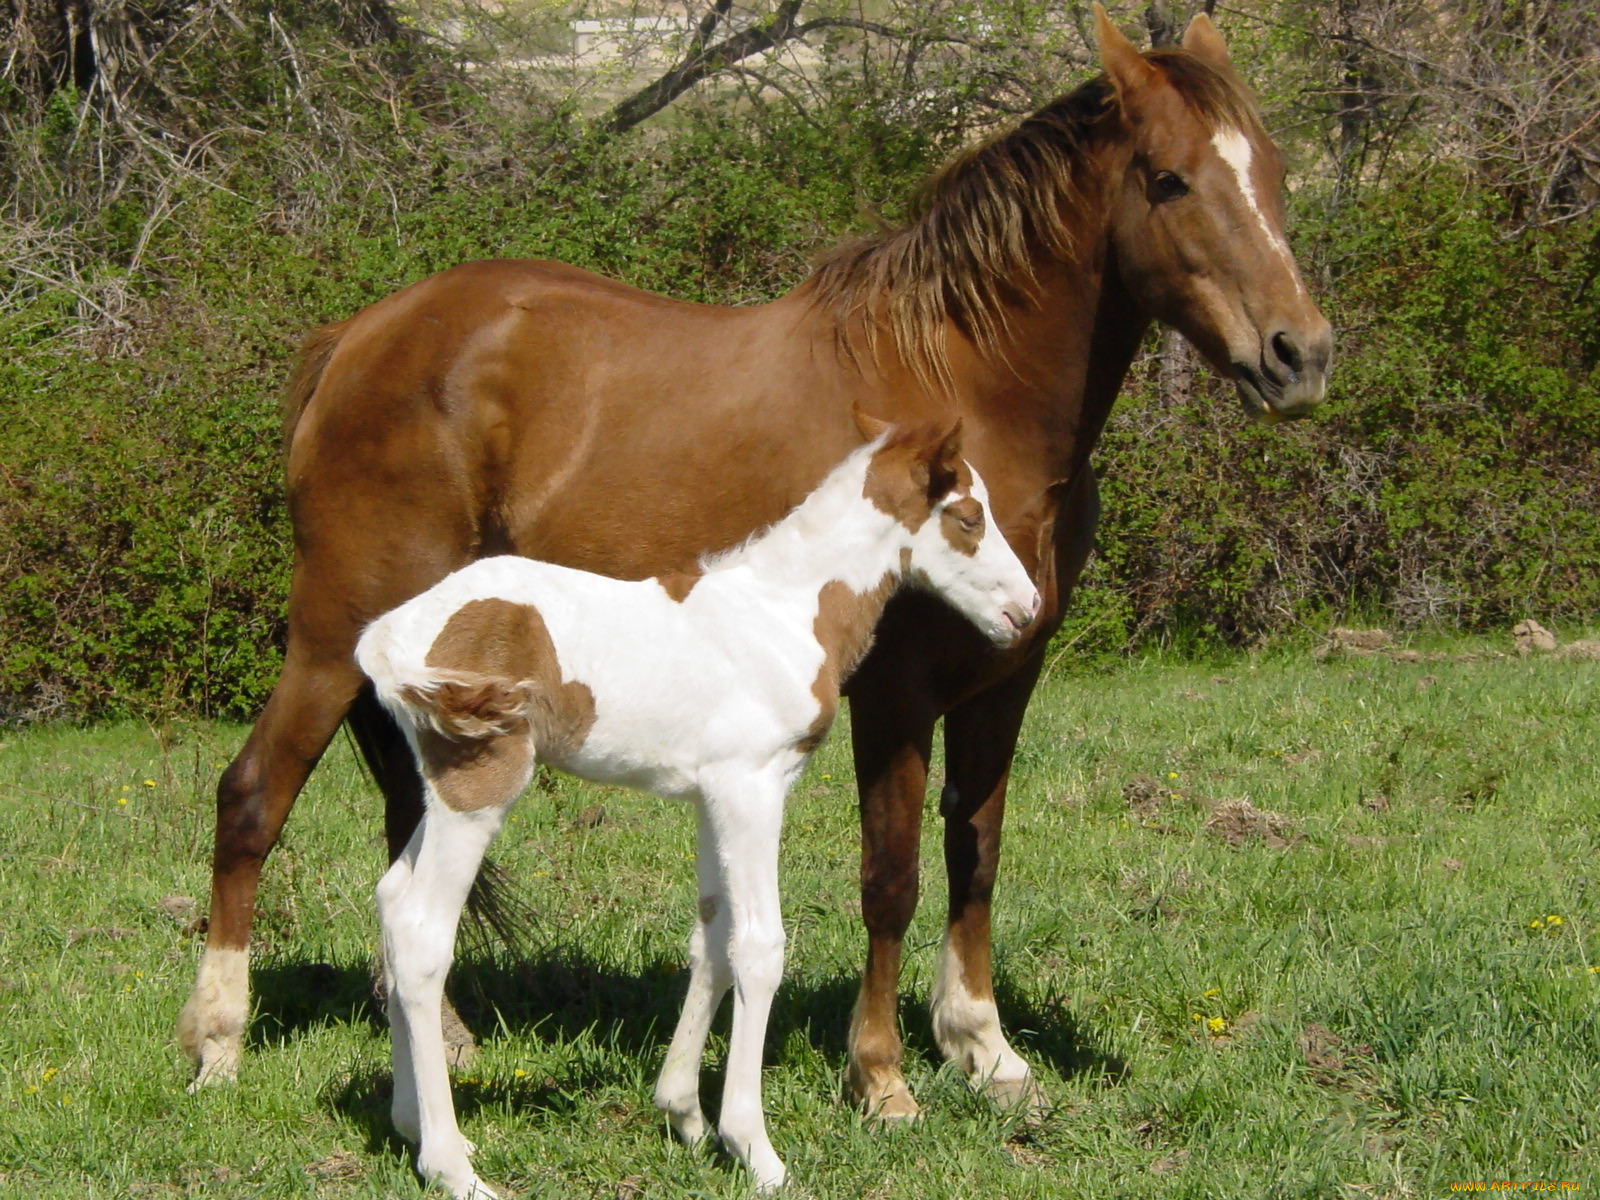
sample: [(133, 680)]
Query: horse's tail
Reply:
[(315, 352)]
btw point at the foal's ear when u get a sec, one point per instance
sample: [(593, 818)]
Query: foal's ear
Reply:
[(1125, 66), (1202, 40), (871, 428), (943, 456)]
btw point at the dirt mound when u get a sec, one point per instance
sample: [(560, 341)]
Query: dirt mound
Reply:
[(1583, 650), (1532, 637), (1355, 643), (1238, 823)]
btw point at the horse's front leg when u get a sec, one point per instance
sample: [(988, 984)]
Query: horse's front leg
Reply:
[(892, 734), (980, 738), (710, 975)]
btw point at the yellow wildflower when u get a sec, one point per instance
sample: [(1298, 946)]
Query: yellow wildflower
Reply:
[(1536, 923), (1216, 1024), (1552, 920), (149, 783), (1212, 993), (121, 800)]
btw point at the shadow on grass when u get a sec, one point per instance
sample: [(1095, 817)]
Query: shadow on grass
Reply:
[(562, 995), (1051, 1034)]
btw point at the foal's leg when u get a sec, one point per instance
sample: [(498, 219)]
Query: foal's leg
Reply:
[(980, 738), (419, 906), (253, 800), (893, 735), (745, 818), (394, 768), (710, 975)]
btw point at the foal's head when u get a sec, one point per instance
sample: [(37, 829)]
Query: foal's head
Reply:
[(1197, 220), (949, 546)]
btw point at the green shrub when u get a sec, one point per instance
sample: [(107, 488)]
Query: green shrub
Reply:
[(1453, 476)]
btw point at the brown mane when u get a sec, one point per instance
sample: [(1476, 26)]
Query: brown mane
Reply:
[(978, 226)]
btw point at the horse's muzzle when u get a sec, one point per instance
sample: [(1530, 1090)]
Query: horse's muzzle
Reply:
[(1291, 377)]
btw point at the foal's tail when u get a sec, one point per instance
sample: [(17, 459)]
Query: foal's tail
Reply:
[(464, 705), (461, 705)]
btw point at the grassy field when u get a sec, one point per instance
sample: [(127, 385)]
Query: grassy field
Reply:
[(1267, 927)]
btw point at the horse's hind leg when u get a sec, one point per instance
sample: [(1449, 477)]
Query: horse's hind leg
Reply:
[(254, 797)]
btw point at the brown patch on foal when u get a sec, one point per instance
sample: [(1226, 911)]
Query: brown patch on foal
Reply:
[(902, 478), (961, 523), (678, 584), (843, 627), (509, 675)]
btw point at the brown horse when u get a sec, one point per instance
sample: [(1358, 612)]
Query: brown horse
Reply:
[(533, 408)]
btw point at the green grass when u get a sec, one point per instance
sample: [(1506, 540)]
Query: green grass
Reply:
[(1390, 1022)]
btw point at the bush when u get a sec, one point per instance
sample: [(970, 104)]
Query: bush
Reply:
[(1453, 476)]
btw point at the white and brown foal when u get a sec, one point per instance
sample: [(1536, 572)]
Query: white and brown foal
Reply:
[(714, 687)]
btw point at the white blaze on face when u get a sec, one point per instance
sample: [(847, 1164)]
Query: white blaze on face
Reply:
[(1234, 149)]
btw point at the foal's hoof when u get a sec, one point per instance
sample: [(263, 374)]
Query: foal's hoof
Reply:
[(688, 1127), (218, 1062), (1023, 1096), (459, 1179)]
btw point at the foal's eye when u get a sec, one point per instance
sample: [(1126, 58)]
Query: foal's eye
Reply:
[(972, 522), (1167, 185)]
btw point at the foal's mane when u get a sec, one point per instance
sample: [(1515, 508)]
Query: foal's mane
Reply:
[(979, 225)]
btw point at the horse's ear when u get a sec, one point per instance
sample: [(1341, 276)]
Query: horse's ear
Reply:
[(1043, 514), (871, 428), (942, 460), (1202, 40), (1048, 507), (1125, 66)]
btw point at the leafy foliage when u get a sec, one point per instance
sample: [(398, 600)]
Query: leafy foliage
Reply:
[(161, 257)]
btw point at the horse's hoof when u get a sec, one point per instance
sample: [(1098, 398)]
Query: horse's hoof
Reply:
[(894, 1107)]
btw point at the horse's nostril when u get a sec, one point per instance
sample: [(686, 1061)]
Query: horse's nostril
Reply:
[(1287, 352)]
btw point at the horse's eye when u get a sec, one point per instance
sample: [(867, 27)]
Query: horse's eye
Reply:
[(1167, 185), (972, 521)]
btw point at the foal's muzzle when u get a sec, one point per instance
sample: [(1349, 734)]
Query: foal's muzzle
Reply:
[(1018, 618)]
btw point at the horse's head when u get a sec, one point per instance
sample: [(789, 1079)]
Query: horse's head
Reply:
[(950, 548), (1197, 220)]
